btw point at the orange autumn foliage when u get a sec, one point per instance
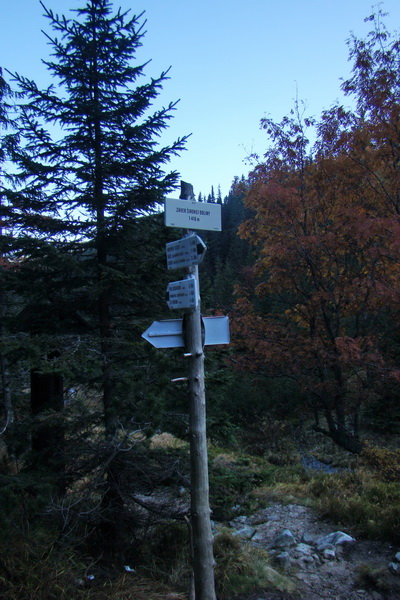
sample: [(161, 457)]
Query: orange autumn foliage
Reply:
[(327, 228)]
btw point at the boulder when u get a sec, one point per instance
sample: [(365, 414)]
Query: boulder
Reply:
[(282, 560), (303, 549), (329, 554), (394, 567), (245, 532), (307, 538), (283, 539), (337, 538)]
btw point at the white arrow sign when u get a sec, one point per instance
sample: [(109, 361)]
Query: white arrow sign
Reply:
[(168, 333), (192, 215), (185, 252), (183, 294)]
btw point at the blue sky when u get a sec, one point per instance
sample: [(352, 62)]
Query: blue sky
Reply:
[(232, 63)]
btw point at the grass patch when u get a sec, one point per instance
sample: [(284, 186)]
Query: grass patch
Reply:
[(361, 500), (167, 441), (34, 570), (237, 480), (366, 498), (384, 461), (243, 569), (165, 555)]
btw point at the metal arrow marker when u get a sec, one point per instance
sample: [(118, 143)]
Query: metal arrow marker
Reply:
[(168, 333)]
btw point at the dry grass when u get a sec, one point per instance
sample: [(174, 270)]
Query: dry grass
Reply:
[(129, 587), (360, 499), (61, 577), (242, 569), (167, 441)]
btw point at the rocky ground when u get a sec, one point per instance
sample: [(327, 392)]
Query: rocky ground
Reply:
[(321, 572)]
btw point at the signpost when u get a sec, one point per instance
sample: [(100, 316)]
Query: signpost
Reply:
[(192, 215), (185, 252), (188, 332), (183, 294)]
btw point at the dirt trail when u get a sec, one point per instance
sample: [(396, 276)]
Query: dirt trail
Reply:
[(321, 579)]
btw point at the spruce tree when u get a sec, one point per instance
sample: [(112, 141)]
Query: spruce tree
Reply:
[(88, 173), (89, 165)]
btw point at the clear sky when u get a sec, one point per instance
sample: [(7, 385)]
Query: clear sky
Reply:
[(232, 63)]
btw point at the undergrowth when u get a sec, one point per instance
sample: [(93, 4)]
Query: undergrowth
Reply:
[(235, 480), (361, 500), (242, 568), (166, 554), (34, 566), (365, 497)]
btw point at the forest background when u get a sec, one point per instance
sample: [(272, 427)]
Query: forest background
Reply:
[(306, 267)]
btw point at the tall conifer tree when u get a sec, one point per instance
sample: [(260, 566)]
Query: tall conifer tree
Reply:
[(90, 164)]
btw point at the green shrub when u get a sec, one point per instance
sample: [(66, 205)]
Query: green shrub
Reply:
[(233, 479), (22, 497), (271, 438)]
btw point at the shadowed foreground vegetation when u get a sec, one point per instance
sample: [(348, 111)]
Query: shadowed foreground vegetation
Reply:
[(42, 558)]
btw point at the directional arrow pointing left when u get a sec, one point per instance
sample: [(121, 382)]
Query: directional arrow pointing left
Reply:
[(165, 334), (168, 333)]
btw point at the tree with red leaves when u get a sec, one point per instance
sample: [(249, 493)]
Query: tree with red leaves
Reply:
[(326, 224)]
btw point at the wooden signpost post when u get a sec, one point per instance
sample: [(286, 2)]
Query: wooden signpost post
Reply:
[(185, 294), (202, 539)]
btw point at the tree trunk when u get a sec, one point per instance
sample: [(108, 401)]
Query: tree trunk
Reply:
[(347, 441), (339, 434), (47, 401)]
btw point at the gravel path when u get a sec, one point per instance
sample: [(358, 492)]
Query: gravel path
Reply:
[(325, 579)]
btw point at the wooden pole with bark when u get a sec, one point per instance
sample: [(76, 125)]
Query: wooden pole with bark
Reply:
[(203, 557)]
